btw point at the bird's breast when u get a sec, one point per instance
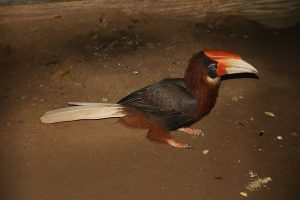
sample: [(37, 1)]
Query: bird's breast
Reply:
[(207, 97)]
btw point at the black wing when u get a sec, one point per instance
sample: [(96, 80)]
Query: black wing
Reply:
[(169, 100)]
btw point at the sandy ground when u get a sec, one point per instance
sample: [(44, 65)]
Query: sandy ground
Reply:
[(101, 56)]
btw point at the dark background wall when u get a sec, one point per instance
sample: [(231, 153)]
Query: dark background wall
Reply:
[(274, 12), (13, 2)]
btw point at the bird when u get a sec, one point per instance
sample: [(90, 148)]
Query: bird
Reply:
[(168, 105)]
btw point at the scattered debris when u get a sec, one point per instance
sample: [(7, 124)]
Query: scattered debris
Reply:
[(115, 43), (65, 74), (261, 133), (252, 174), (103, 22), (218, 177), (205, 151), (279, 137), (245, 194), (258, 183), (270, 114), (234, 99), (237, 98), (176, 62), (241, 124)]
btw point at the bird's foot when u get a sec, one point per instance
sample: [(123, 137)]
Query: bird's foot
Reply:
[(191, 131), (176, 144), (161, 134)]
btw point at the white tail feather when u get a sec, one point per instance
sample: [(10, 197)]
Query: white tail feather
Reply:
[(83, 111)]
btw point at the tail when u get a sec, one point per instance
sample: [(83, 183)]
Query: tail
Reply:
[(82, 110)]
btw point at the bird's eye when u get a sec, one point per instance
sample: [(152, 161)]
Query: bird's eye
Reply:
[(212, 70)]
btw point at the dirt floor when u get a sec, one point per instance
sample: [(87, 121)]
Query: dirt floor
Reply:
[(103, 56)]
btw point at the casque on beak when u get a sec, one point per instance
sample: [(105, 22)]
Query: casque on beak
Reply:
[(229, 63)]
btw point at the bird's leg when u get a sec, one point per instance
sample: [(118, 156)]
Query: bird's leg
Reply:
[(191, 131), (157, 132), (160, 134)]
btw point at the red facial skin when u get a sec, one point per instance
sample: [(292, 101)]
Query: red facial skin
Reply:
[(218, 55)]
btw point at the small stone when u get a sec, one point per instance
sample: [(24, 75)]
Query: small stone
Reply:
[(244, 194), (270, 114), (251, 118), (261, 133), (205, 151), (135, 72), (279, 137)]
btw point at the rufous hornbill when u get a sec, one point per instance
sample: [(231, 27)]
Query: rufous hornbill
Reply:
[(173, 103)]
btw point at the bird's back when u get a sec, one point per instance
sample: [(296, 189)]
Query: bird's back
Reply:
[(169, 100)]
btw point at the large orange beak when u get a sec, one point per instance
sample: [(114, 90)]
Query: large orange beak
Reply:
[(229, 63)]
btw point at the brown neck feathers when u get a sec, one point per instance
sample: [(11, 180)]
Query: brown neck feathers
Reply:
[(205, 91)]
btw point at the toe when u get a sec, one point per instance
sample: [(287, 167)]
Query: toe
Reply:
[(188, 146)]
